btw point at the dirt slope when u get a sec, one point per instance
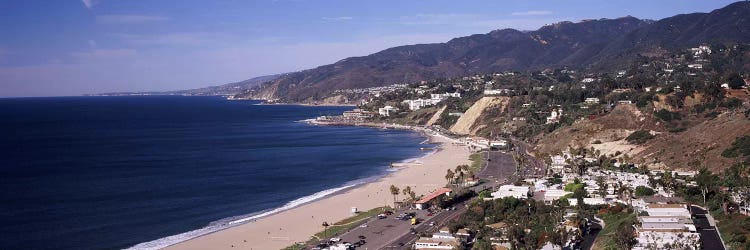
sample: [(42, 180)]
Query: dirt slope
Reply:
[(610, 130), (700, 145), (436, 116), (465, 124)]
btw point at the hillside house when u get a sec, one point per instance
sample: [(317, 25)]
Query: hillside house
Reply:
[(591, 100), (387, 110)]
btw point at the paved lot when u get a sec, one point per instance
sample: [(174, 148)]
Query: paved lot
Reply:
[(499, 167)]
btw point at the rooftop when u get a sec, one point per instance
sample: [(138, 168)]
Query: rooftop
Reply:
[(433, 195)]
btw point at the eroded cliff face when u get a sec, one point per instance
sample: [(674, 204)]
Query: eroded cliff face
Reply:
[(466, 125)]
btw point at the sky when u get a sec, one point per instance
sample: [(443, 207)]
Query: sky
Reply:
[(74, 47)]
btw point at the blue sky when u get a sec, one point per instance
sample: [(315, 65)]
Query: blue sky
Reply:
[(73, 47)]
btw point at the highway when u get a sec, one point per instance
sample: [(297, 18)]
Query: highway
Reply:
[(391, 233)]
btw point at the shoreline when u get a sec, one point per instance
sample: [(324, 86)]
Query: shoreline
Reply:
[(297, 224)]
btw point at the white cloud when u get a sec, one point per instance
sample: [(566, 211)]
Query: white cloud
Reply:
[(128, 19), (90, 3), (340, 18), (532, 13)]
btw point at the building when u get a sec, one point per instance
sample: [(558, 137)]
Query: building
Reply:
[(555, 116), (591, 100), (436, 98), (424, 202), (387, 110), (667, 240), (419, 103), (519, 192), (624, 102), (588, 201), (700, 50), (356, 114), (477, 143), (436, 243), (499, 144), (667, 210), (588, 80), (558, 164), (666, 223), (496, 91), (551, 195)]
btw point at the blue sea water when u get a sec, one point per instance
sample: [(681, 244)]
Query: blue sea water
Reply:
[(113, 172)]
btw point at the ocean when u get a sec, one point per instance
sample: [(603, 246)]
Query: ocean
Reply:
[(119, 172)]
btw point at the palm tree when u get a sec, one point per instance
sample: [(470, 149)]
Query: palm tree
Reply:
[(449, 176), (461, 178), (394, 192), (407, 192)]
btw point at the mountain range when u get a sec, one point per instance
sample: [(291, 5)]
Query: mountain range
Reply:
[(599, 45)]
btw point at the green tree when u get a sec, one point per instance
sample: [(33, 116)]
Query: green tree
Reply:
[(624, 237), (735, 81), (643, 191), (449, 176)]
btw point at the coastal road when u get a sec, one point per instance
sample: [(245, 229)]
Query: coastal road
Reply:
[(389, 232), (441, 219), (533, 167), (709, 235)]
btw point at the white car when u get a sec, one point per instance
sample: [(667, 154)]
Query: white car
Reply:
[(335, 239), (363, 225)]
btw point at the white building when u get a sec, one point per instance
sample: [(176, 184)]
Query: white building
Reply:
[(666, 223), (667, 210), (433, 243), (703, 49), (558, 164), (591, 100), (519, 192), (554, 194), (695, 66), (588, 80), (419, 103), (496, 91), (440, 240), (441, 97), (667, 240), (499, 144), (587, 201), (555, 116), (387, 110)]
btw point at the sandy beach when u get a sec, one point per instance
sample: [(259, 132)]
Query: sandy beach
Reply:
[(299, 224)]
